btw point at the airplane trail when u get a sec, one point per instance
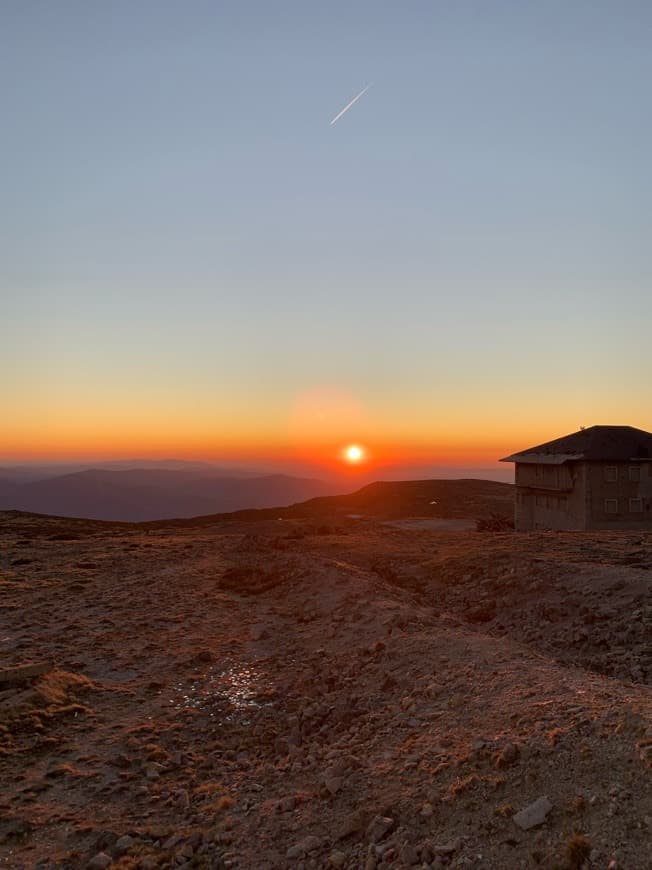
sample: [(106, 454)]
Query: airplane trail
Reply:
[(348, 105)]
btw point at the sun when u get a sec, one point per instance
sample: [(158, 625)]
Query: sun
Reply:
[(354, 454)]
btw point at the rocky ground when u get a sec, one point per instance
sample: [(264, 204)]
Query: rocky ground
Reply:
[(282, 694)]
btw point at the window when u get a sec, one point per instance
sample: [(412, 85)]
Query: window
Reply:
[(635, 505), (611, 505), (635, 473), (611, 474)]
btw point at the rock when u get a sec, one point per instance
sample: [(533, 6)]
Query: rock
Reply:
[(646, 754), (281, 746), (172, 841), (409, 855), (372, 860), (287, 804), (303, 847), (99, 861), (153, 770), (124, 844), (509, 754), (337, 859), (352, 824), (379, 827), (182, 799), (448, 848), (533, 815), (258, 632), (426, 810), (333, 784)]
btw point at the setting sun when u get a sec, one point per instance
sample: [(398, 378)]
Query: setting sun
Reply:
[(354, 454)]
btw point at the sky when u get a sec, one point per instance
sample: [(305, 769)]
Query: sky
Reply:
[(195, 263)]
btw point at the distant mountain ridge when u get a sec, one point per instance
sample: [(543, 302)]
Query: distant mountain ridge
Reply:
[(142, 494), (468, 498), (31, 472)]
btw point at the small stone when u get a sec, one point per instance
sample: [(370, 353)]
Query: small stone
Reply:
[(258, 632), (534, 814), (303, 847), (333, 784), (378, 828), (282, 746), (352, 824), (287, 804), (408, 855), (509, 755), (99, 861), (337, 859), (426, 811), (172, 841), (124, 844), (182, 799), (372, 860), (448, 848), (153, 770)]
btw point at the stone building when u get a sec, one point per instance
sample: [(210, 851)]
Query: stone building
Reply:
[(598, 478)]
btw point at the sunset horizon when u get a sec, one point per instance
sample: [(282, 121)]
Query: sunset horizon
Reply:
[(269, 237)]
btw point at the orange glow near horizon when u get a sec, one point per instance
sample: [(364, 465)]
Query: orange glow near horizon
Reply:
[(311, 427), (328, 455)]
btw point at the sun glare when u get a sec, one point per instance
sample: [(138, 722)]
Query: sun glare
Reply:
[(354, 454)]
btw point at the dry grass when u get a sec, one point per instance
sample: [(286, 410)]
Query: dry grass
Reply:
[(578, 850)]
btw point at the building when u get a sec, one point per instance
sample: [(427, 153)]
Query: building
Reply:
[(598, 478)]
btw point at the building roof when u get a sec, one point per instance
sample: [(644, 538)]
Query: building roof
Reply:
[(595, 444)]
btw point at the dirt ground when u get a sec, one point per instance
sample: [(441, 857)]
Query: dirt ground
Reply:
[(283, 694)]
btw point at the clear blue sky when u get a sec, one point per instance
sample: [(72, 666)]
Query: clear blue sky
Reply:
[(184, 236)]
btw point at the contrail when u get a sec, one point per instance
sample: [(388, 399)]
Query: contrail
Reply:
[(348, 105)]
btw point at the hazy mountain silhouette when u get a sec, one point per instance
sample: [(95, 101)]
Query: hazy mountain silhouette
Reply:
[(386, 500), (33, 472), (153, 493)]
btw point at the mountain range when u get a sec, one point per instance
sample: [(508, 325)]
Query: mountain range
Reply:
[(151, 493)]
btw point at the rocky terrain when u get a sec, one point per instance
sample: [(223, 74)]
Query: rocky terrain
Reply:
[(287, 693)]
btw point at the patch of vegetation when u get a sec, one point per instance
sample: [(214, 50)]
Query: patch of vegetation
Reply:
[(251, 579), (578, 850), (494, 523)]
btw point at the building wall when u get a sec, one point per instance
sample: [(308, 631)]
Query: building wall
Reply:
[(550, 496), (619, 495), (583, 495)]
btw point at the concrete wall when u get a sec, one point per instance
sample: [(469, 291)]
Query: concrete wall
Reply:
[(550, 496), (574, 496), (619, 487), (553, 477)]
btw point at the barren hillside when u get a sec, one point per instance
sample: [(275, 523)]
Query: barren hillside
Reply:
[(287, 693)]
